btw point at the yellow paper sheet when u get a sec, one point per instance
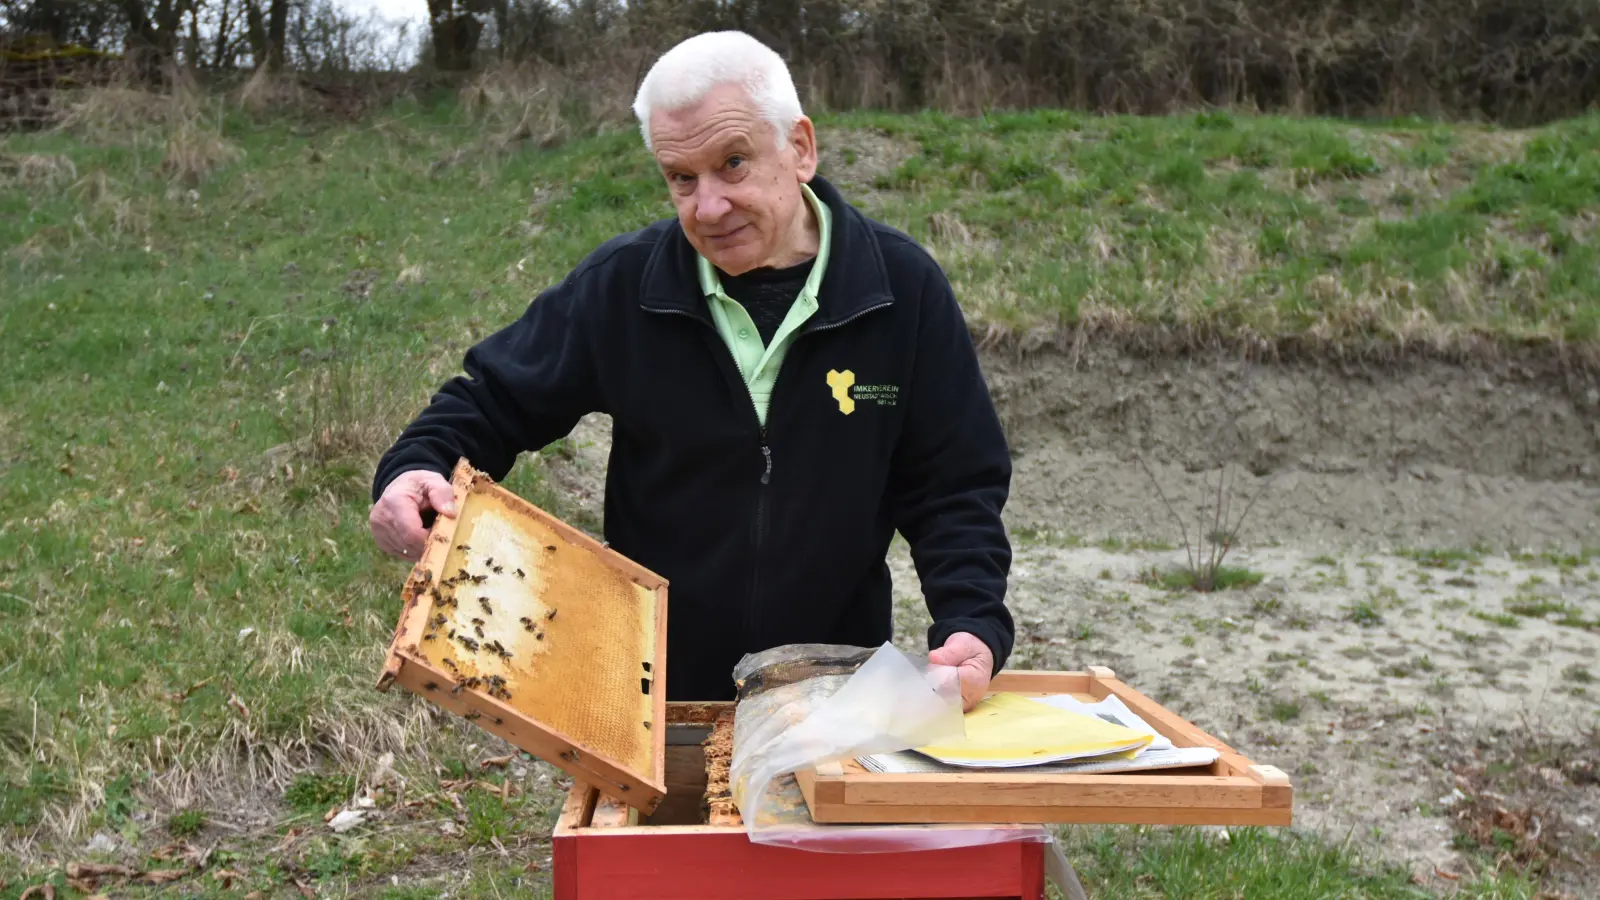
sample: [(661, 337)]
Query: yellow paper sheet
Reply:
[(1008, 728)]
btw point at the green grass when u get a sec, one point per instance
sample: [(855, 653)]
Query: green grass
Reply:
[(1125, 863), (1504, 620), (1444, 558), (1224, 578), (1269, 225), (199, 375)]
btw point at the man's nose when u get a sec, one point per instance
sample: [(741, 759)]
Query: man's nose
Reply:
[(709, 203)]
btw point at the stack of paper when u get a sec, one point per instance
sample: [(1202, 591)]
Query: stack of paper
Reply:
[(1054, 734)]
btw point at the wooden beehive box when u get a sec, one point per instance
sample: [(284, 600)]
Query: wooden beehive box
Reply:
[(603, 850), (541, 635), (1230, 791)]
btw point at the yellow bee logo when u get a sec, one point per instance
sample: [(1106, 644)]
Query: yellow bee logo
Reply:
[(840, 382)]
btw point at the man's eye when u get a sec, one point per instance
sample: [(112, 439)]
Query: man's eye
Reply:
[(735, 161), (681, 179)]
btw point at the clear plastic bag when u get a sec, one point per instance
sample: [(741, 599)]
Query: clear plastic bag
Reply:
[(804, 704)]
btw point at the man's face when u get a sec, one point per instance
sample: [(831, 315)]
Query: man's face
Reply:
[(737, 192)]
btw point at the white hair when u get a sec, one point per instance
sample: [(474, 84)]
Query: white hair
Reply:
[(686, 73)]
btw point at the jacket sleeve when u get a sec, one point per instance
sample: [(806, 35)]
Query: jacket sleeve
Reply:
[(522, 388), (951, 478)]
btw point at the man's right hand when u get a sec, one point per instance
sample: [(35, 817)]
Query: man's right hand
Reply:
[(396, 518)]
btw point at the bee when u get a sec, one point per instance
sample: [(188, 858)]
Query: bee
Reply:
[(431, 686), (521, 574), (538, 636), (429, 636), (498, 721), (468, 643), (647, 726), (499, 569), (476, 620), (427, 576), (451, 663), (487, 609), (452, 634), (489, 562), (479, 579), (550, 548), (463, 575), (473, 715), (457, 689), (463, 547), (478, 629), (439, 620), (550, 615)]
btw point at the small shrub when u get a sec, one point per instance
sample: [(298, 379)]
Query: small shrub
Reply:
[(311, 792), (186, 823), (1284, 710), (1364, 613)]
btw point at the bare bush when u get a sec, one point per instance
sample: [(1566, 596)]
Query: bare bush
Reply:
[(1508, 60)]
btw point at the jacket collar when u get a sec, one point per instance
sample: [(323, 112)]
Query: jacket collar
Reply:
[(856, 278)]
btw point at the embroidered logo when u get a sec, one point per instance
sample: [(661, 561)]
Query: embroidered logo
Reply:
[(840, 382)]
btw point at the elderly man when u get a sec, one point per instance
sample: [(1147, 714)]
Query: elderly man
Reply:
[(789, 383)]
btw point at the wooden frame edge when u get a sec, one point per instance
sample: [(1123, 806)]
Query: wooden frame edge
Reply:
[(1270, 790), (424, 574)]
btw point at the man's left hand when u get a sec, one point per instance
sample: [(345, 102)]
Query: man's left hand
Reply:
[(973, 662)]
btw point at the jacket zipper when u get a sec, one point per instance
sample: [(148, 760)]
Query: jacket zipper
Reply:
[(753, 603), (753, 607)]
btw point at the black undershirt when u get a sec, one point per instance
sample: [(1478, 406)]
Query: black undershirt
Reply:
[(767, 293)]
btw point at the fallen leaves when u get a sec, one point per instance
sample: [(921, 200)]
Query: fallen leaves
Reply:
[(86, 877), (499, 762), (180, 696)]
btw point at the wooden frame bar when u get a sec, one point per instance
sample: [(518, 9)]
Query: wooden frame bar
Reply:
[(407, 666), (601, 853), (1231, 791)]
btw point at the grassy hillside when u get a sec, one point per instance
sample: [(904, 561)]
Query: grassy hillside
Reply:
[(214, 322)]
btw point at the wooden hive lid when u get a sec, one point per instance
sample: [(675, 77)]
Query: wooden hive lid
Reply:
[(559, 642)]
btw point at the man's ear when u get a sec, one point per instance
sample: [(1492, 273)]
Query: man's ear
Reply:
[(803, 141)]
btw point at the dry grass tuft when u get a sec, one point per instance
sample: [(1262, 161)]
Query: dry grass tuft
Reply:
[(104, 201), (265, 91), (123, 107), (346, 411), (36, 170), (544, 105), (194, 151), (31, 251), (518, 103)]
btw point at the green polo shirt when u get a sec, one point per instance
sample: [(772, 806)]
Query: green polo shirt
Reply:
[(759, 363)]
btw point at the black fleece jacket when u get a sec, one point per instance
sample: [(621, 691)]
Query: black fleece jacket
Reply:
[(770, 535)]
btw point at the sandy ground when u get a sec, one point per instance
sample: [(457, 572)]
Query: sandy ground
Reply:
[(1357, 714), (1360, 665)]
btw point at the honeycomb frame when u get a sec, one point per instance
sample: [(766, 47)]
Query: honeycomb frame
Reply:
[(558, 646)]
